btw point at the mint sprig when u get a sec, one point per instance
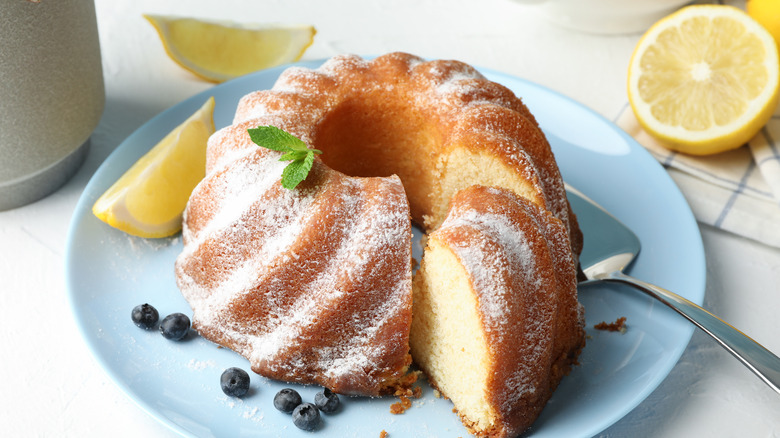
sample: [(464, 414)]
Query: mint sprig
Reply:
[(295, 150)]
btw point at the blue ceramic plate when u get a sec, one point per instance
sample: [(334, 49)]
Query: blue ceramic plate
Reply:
[(108, 273)]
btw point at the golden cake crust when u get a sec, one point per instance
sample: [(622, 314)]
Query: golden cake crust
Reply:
[(529, 316), (400, 115), (313, 285)]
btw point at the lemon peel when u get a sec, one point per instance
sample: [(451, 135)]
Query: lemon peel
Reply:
[(767, 13), (704, 79), (148, 200), (221, 50)]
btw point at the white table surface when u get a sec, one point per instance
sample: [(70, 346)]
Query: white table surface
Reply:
[(53, 386)]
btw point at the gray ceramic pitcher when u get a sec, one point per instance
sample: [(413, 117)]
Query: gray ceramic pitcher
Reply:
[(51, 94)]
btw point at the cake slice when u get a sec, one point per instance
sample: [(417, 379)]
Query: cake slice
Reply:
[(495, 322)]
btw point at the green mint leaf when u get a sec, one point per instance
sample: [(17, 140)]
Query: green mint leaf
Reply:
[(295, 150), (297, 171), (273, 138), (293, 155)]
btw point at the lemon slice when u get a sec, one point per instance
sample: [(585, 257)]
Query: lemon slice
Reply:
[(149, 199), (218, 51), (704, 79)]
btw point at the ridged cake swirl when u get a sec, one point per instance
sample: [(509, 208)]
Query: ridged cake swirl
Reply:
[(313, 285), (439, 125)]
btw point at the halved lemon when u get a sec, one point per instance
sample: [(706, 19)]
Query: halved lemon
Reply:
[(704, 79), (218, 51), (149, 199)]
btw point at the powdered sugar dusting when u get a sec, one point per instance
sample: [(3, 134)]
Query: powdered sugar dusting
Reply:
[(352, 262), (289, 81), (504, 246), (295, 319), (339, 64), (384, 230), (371, 226), (486, 264), (274, 225), (237, 193), (459, 82), (201, 365)]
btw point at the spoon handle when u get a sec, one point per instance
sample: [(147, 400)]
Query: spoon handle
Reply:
[(754, 356)]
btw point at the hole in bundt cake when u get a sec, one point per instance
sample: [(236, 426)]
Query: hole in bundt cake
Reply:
[(371, 137), (367, 136)]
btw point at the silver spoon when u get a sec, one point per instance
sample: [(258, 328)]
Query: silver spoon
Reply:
[(616, 248)]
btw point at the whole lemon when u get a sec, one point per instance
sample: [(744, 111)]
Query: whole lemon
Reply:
[(766, 12)]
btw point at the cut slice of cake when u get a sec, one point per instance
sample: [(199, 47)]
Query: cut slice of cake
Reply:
[(496, 341)]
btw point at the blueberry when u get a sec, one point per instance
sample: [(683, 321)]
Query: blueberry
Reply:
[(306, 416), (287, 400), (235, 382), (175, 326), (327, 401), (145, 316)]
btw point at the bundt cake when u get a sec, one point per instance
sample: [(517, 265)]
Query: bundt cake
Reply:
[(496, 320), (314, 284)]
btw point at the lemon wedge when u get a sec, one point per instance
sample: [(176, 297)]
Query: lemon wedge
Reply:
[(219, 51), (704, 79), (149, 199)]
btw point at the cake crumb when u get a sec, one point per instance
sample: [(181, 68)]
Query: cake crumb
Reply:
[(436, 393), (400, 407), (383, 434), (401, 392), (404, 387), (405, 395), (617, 326)]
